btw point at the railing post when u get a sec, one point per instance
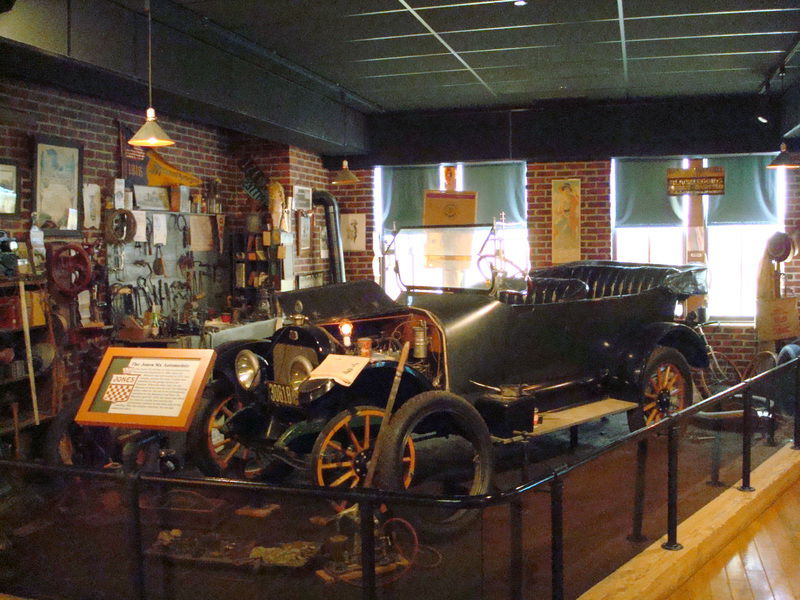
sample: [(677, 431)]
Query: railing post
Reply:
[(515, 522), (557, 538), (716, 458), (136, 536), (796, 444), (365, 513), (672, 487), (747, 435), (638, 493)]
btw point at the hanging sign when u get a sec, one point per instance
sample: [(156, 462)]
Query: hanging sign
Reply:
[(700, 180), (449, 208)]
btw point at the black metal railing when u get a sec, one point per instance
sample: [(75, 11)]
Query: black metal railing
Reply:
[(370, 501)]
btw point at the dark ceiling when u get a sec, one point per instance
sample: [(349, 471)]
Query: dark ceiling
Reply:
[(400, 81), (403, 55)]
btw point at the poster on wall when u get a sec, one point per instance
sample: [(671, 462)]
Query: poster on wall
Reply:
[(566, 212), (354, 228), (58, 182)]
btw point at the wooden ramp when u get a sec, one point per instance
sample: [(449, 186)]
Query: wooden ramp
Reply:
[(718, 536), (761, 563)]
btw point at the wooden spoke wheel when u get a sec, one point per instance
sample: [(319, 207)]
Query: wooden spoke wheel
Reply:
[(342, 451), (215, 453), (667, 385)]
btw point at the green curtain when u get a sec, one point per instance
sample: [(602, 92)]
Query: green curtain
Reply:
[(500, 187), (641, 193), (403, 190), (749, 191)]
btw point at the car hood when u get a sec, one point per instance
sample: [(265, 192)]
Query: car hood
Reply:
[(350, 300)]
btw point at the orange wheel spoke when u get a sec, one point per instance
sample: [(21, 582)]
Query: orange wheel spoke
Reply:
[(338, 447), (337, 465), (344, 478), (223, 443), (366, 431), (406, 459), (647, 407), (228, 412), (651, 418), (231, 454), (353, 438)]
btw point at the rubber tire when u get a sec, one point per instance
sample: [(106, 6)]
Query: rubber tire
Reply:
[(389, 470), (197, 442), (101, 439), (659, 356), (788, 352)]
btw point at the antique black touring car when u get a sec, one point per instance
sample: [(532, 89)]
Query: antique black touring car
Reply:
[(477, 355)]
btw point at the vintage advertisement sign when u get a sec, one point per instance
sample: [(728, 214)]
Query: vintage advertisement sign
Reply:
[(449, 208), (696, 180), (145, 166)]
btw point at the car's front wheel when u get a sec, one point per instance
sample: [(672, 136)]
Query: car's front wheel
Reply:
[(453, 452), (666, 387)]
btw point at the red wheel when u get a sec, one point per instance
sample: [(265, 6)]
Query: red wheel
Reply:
[(70, 269)]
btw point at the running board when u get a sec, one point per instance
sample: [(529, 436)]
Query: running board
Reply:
[(559, 420)]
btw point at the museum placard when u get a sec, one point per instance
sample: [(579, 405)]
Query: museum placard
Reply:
[(148, 388)]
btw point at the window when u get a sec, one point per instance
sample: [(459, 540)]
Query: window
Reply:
[(399, 196), (651, 227)]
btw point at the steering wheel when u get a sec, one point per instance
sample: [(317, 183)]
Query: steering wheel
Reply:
[(483, 259), (70, 269)]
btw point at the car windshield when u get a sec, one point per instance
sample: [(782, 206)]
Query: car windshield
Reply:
[(450, 257)]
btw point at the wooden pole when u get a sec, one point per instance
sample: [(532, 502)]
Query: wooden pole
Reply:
[(26, 331), (398, 375), (697, 236)]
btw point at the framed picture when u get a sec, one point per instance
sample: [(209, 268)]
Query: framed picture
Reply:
[(147, 388), (302, 197), (353, 227), (150, 197), (9, 187), (304, 225), (57, 184)]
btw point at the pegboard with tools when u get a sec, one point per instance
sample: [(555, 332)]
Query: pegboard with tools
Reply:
[(164, 270)]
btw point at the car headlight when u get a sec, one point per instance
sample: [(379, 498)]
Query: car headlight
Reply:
[(248, 369)]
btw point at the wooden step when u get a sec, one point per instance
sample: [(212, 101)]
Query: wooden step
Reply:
[(569, 417)]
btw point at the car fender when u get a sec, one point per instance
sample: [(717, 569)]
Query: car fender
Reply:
[(638, 348), (372, 386)]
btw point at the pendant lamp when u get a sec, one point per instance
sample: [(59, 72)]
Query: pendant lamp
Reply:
[(344, 176), (150, 135), (786, 159)]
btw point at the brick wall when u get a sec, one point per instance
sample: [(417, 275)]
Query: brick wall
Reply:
[(357, 198), (595, 208), (205, 151)]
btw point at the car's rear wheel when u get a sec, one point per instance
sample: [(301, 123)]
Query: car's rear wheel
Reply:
[(666, 387), (218, 455), (453, 457)]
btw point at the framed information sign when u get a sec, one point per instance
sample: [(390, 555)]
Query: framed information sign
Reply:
[(146, 388)]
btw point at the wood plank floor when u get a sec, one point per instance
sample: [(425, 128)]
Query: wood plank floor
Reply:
[(761, 563)]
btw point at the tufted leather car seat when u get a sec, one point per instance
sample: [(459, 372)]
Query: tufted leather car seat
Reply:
[(608, 279)]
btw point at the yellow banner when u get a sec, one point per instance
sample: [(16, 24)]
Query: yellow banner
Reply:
[(160, 172)]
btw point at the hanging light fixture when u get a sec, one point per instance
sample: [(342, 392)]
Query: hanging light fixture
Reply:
[(150, 135), (344, 176), (786, 159)]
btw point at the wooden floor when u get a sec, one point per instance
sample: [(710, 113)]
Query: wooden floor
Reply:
[(761, 563)]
